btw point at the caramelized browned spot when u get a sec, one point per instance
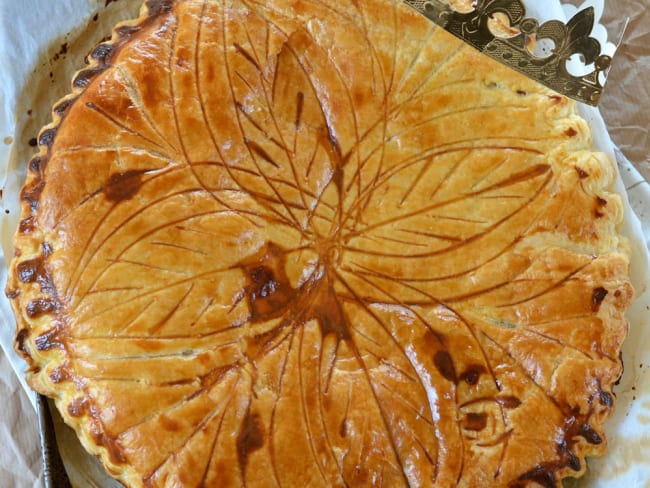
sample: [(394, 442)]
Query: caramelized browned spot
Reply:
[(60, 374), (581, 173), (472, 375), (598, 296), (123, 186), (508, 401), (269, 291), (445, 365), (606, 399), (113, 448), (11, 294), (31, 194), (62, 107), (49, 340), (35, 163), (46, 138), (543, 475), (343, 429), (589, 434), (600, 203), (21, 338), (26, 225), (169, 424), (78, 407), (40, 306), (31, 271), (270, 294), (250, 439), (475, 421)]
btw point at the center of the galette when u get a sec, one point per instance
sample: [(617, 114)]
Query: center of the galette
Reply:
[(329, 253), (294, 286)]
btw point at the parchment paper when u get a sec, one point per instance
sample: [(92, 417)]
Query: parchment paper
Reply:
[(626, 103), (42, 42)]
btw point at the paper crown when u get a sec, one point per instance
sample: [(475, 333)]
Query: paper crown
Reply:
[(543, 52)]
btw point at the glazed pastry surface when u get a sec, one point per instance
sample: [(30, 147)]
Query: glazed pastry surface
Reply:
[(302, 243)]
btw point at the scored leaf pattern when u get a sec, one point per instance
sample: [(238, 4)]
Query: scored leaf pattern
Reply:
[(324, 244)]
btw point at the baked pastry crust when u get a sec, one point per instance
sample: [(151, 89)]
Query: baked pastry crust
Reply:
[(306, 243)]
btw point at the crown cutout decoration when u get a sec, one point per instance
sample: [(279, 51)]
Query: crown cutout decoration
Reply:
[(501, 30)]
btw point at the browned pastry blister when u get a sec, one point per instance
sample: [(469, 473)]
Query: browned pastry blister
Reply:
[(308, 243)]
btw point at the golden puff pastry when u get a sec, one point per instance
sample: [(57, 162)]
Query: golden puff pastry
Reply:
[(309, 243)]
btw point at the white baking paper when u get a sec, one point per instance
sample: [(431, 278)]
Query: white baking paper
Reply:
[(20, 463), (42, 43)]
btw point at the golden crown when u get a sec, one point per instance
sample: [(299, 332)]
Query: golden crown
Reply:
[(501, 29)]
